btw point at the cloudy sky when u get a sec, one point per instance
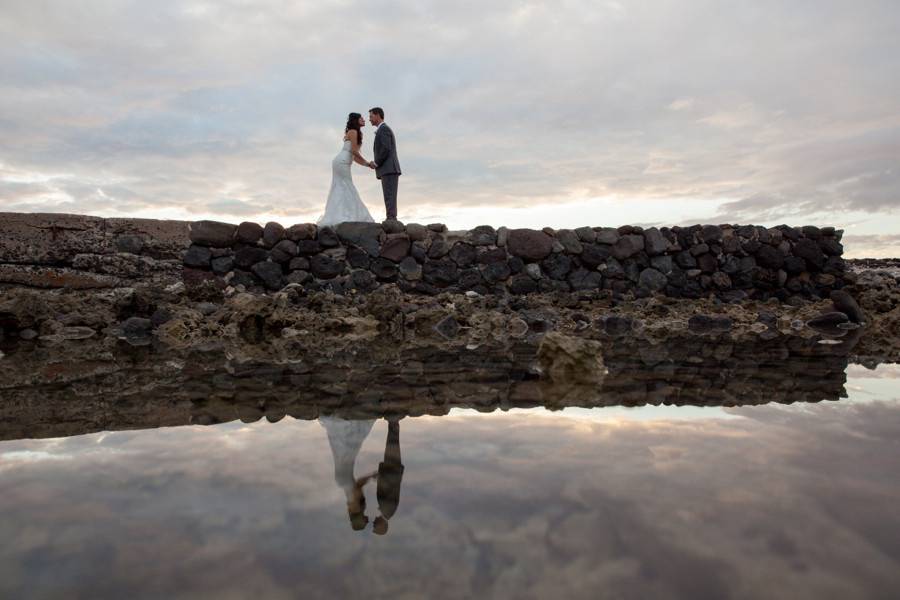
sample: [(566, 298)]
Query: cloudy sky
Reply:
[(506, 112)]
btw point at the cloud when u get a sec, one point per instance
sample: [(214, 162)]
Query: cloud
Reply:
[(495, 104)]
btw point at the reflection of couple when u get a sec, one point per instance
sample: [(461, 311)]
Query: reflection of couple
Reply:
[(346, 438)]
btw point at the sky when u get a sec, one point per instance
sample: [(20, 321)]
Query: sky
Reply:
[(525, 114)]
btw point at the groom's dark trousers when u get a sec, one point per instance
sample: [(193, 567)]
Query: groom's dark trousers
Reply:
[(388, 169)]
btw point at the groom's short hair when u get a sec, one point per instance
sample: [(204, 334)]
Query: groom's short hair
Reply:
[(378, 111)]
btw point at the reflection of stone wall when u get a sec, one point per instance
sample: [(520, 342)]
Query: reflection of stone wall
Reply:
[(733, 261), (140, 388)]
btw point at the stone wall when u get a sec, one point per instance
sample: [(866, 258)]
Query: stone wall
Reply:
[(733, 262)]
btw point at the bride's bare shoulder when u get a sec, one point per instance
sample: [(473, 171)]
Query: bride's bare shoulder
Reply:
[(352, 135)]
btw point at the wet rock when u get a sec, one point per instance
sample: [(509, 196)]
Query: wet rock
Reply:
[(269, 273), (131, 244), (197, 256), (529, 244), (829, 319), (846, 304), (395, 248), (222, 265), (304, 231), (364, 235), (708, 324), (627, 246), (448, 327), (272, 234), (248, 233), (212, 233), (284, 251), (325, 267), (247, 257)]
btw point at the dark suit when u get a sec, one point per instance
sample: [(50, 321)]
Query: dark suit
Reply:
[(390, 472), (388, 167)]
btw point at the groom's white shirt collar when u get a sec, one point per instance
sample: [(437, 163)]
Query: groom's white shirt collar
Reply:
[(379, 126)]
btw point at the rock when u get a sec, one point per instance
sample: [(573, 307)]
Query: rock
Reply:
[(416, 232), (721, 280), (358, 258), (284, 251), (811, 231), (769, 257), (652, 280), (627, 246), (529, 244), (439, 248), (707, 263), (607, 235), (582, 279), (327, 237), (522, 284), (794, 265), (654, 242), (810, 251), (686, 260), (248, 233), (272, 234), (270, 274), (437, 227), (325, 267), (55, 277), (483, 235), (707, 324), (305, 231), (594, 255), (616, 326), (568, 360), (448, 327), (364, 280), (829, 319), (502, 237), (247, 257), (131, 244), (570, 241), (699, 249), (222, 265), (557, 266), (136, 328), (300, 276), (710, 233), (384, 269), (197, 256), (440, 272), (393, 226), (470, 279), (364, 235), (301, 263), (206, 308), (212, 233), (463, 254), (410, 269), (586, 235), (395, 248), (831, 246), (495, 272), (846, 304), (533, 270)]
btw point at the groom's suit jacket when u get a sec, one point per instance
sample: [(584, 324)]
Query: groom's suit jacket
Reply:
[(385, 150)]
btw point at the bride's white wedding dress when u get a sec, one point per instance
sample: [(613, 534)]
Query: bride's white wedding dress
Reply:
[(343, 203)]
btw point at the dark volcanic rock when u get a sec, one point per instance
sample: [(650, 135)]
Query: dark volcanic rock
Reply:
[(284, 251), (272, 234), (810, 251), (529, 244), (137, 329), (652, 280), (222, 265), (302, 231), (364, 235), (706, 323), (483, 235), (654, 242), (328, 238), (846, 304), (770, 257), (582, 279), (249, 256), (707, 263), (363, 280), (594, 255), (358, 258), (308, 247), (384, 269), (627, 246), (212, 233), (491, 255), (440, 272), (615, 325), (395, 248), (197, 256), (522, 284), (463, 254), (439, 248), (270, 274), (325, 267), (557, 266), (301, 263), (131, 244), (570, 241), (710, 233), (410, 269), (496, 272), (248, 233)]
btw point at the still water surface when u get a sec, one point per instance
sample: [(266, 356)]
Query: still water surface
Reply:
[(771, 501)]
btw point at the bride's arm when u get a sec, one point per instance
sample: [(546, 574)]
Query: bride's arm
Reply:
[(354, 148)]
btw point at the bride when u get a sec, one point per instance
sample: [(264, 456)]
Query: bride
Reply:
[(344, 203)]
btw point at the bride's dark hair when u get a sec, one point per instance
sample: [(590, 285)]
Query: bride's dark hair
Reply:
[(353, 123)]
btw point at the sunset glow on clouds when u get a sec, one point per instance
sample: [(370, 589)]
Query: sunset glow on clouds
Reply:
[(527, 114)]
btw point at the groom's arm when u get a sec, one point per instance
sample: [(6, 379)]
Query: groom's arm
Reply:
[(381, 153)]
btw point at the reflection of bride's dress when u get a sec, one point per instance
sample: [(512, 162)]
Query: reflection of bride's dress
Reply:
[(343, 203), (345, 438)]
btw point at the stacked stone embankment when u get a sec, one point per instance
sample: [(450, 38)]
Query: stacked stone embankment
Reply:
[(734, 262)]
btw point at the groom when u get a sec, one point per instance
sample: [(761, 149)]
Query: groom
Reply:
[(386, 165)]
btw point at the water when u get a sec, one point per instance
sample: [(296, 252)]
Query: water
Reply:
[(597, 500)]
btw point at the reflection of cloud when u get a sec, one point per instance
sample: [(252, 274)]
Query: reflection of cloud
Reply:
[(508, 507)]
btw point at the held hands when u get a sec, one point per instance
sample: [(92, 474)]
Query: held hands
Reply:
[(372, 164)]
